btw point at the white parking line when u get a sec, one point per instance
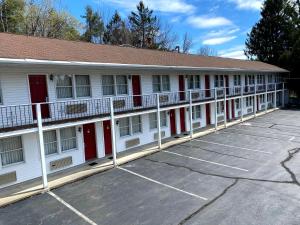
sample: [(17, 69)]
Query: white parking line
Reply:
[(71, 208), (292, 138), (203, 160), (265, 132), (165, 185), (232, 146), (251, 135)]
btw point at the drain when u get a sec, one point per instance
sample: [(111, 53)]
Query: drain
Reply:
[(93, 164), (110, 157), (176, 137)]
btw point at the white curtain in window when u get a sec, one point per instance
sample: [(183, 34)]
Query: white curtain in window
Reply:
[(136, 124), (68, 138), (165, 83), (64, 87), (156, 83), (124, 126), (11, 150), (50, 142), (191, 82), (153, 120), (108, 85), (83, 87), (121, 85), (196, 112), (197, 81)]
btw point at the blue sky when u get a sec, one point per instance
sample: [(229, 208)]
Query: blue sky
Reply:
[(220, 24)]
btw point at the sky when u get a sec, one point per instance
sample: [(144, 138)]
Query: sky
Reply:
[(221, 24)]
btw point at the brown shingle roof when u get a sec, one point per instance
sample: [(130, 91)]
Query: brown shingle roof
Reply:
[(24, 47)]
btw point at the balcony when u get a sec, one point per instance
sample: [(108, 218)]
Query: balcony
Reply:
[(15, 117)]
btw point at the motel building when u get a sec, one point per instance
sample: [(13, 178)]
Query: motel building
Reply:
[(66, 103)]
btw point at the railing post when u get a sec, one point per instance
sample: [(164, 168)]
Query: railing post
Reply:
[(41, 145), (275, 97), (225, 108), (283, 94), (216, 113), (158, 121), (191, 113), (242, 104), (266, 99), (255, 100), (113, 133)]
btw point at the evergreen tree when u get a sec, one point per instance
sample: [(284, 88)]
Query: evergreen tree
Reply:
[(116, 32), (94, 26), (11, 15), (143, 26)]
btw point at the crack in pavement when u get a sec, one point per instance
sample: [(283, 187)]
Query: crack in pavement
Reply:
[(291, 154)]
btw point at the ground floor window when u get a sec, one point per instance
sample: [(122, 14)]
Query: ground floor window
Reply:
[(262, 98), (61, 140), (130, 125), (11, 150), (249, 101), (237, 103), (196, 114), (153, 120), (220, 107), (270, 97)]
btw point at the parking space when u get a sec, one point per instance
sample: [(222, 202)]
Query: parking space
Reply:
[(246, 174)]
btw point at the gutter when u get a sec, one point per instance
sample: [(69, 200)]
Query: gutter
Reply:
[(124, 66)]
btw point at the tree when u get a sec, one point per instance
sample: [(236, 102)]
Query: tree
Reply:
[(166, 38), (93, 26), (11, 15), (187, 43), (116, 32), (207, 51), (143, 26), (270, 37)]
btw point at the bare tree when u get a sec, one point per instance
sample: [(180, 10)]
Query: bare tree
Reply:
[(166, 38), (207, 51), (187, 43)]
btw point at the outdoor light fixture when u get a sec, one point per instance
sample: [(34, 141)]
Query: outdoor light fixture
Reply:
[(117, 122), (79, 129), (129, 77), (51, 77)]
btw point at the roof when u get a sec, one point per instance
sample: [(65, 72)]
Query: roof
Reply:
[(14, 46)]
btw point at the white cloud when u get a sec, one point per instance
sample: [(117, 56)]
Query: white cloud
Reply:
[(221, 32), (248, 4), (169, 6), (236, 52), (218, 40), (208, 22)]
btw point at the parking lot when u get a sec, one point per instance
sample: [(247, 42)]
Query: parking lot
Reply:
[(245, 174)]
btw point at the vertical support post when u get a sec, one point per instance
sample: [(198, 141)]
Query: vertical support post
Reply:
[(158, 122), (113, 133), (266, 99), (216, 113), (275, 97), (41, 145), (255, 99), (283, 94), (242, 104), (191, 113), (225, 108)]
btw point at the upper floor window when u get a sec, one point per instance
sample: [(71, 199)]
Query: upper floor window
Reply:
[(260, 79), (196, 114), (194, 82), (130, 125), (70, 86), (153, 120), (249, 80), (11, 150), (160, 83), (270, 78), (237, 80), (114, 85), (219, 81)]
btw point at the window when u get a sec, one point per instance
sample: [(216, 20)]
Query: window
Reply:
[(262, 98), (270, 78), (220, 107), (249, 101), (50, 142), (270, 97), (130, 125), (64, 87), (1, 98), (237, 80), (260, 79), (114, 85), (237, 103), (194, 82), (11, 150), (219, 81), (68, 139), (153, 120), (249, 80), (196, 114), (83, 86), (160, 83)]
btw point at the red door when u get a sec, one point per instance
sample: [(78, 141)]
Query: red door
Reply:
[(227, 84), (39, 93), (182, 119), (207, 86), (89, 141), (136, 90), (172, 121), (232, 109), (181, 87), (107, 137), (257, 103), (227, 110), (207, 109)]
